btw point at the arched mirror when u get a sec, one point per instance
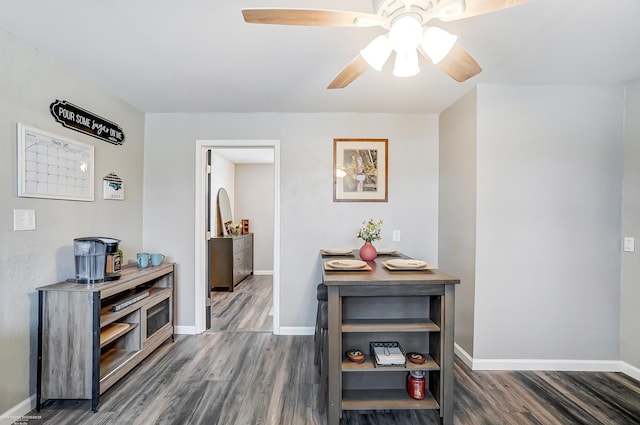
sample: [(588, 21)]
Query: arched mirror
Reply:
[(224, 212)]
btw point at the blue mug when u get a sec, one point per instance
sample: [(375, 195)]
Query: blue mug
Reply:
[(156, 259), (143, 259)]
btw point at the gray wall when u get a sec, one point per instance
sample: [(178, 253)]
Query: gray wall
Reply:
[(549, 184), (254, 200), (537, 204), (310, 219), (630, 296), (457, 203), (29, 83)]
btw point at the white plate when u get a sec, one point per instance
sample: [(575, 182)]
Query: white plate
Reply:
[(406, 264), (387, 251), (346, 264), (337, 251)]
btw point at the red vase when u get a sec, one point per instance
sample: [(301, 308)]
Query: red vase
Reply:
[(368, 252)]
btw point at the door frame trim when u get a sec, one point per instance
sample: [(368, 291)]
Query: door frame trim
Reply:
[(200, 269)]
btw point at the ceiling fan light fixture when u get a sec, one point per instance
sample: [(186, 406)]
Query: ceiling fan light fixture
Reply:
[(405, 33), (451, 10), (406, 64), (437, 43), (377, 52)]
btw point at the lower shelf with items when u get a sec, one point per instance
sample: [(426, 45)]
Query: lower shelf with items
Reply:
[(384, 399)]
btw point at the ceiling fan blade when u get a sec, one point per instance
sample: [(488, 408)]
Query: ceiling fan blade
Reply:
[(458, 64), (309, 17), (353, 70), (480, 7)]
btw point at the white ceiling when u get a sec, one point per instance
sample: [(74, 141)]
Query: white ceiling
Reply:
[(200, 56)]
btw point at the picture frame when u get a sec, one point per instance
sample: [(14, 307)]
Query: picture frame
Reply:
[(112, 187), (360, 170), (53, 167)]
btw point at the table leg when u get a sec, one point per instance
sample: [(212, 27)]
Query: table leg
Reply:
[(447, 355), (335, 358)]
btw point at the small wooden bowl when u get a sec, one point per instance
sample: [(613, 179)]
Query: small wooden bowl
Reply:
[(355, 356), (416, 358)]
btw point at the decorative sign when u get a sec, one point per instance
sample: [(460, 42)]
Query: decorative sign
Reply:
[(112, 187), (76, 118)]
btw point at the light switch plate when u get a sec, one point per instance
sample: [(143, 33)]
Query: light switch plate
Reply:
[(24, 220), (629, 244), (396, 236)]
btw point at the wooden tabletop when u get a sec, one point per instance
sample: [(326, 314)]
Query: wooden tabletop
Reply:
[(379, 274), (130, 272)]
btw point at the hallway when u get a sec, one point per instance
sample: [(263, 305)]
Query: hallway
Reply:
[(247, 309)]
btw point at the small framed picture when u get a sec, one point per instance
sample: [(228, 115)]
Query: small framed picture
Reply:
[(112, 187), (360, 170)]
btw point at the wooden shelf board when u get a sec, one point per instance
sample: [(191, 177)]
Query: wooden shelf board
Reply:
[(389, 325), (383, 399), (155, 295), (133, 276), (368, 366), (113, 331), (112, 359)]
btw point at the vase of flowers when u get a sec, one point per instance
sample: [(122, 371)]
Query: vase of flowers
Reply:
[(369, 232)]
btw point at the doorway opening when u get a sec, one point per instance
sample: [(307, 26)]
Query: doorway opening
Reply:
[(234, 149)]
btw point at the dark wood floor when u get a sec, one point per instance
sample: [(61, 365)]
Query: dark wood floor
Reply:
[(250, 377)]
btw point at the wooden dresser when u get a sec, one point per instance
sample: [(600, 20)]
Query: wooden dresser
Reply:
[(230, 260)]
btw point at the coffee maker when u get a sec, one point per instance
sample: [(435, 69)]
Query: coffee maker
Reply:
[(97, 259)]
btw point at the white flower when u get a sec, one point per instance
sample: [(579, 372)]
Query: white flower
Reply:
[(370, 231)]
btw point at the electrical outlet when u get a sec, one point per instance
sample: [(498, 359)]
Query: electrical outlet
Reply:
[(396, 235), (24, 220)]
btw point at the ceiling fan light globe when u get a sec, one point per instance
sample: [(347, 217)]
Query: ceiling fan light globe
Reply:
[(377, 52), (406, 64), (437, 43), (405, 33)]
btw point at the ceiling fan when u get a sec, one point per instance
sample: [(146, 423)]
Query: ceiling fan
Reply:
[(408, 34)]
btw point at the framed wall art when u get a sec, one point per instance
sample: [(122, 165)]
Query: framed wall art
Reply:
[(112, 187), (360, 170), (51, 166)]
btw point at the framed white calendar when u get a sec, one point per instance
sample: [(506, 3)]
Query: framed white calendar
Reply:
[(51, 166)]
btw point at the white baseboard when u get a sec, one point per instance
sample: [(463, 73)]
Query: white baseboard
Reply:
[(263, 272), (556, 365), (19, 412), (632, 371), (298, 330), (463, 355), (185, 330)]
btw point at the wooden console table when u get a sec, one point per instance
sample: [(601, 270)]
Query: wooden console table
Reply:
[(91, 335), (414, 308)]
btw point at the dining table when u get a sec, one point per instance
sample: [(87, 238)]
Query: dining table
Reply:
[(391, 301)]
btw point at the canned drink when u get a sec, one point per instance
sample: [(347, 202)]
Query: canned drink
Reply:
[(416, 386)]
